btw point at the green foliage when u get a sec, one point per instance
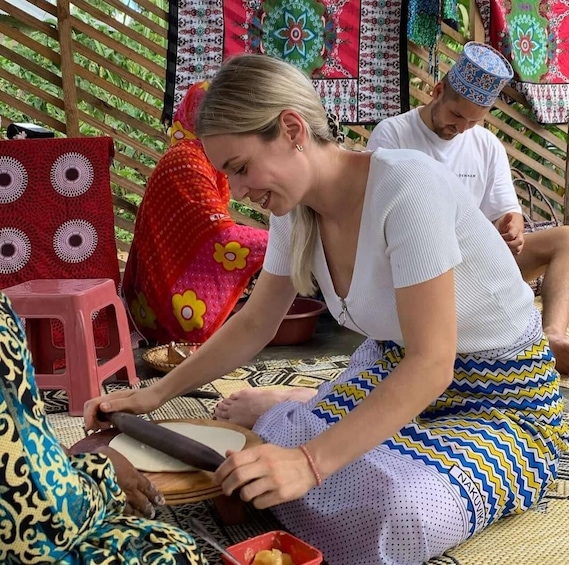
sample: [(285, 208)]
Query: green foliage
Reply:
[(102, 20), (246, 211), (123, 235)]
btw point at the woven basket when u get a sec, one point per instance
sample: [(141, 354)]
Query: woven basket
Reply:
[(161, 358)]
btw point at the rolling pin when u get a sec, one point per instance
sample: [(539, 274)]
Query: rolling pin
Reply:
[(167, 441)]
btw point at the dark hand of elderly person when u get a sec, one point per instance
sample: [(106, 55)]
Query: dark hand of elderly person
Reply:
[(141, 495)]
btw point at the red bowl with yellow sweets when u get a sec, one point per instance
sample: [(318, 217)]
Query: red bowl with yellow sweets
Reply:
[(259, 547)]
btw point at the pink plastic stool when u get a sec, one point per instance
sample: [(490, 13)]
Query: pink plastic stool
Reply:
[(73, 301)]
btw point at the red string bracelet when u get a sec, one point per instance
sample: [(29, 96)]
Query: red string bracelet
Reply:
[(312, 465)]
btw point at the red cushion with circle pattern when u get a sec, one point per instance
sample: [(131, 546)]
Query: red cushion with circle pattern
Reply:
[(56, 210)]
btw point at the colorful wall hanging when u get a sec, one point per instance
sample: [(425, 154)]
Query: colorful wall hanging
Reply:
[(534, 36), (354, 50)]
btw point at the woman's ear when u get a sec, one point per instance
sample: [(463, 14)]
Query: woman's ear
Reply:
[(293, 127)]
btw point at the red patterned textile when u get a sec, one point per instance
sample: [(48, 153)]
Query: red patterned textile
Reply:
[(354, 50), (56, 211), (534, 36), (189, 262)]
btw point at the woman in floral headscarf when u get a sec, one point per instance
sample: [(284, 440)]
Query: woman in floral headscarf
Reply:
[(189, 262)]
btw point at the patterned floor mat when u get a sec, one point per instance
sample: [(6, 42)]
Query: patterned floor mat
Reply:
[(537, 537)]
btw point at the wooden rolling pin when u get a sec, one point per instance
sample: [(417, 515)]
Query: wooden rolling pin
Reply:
[(167, 441)]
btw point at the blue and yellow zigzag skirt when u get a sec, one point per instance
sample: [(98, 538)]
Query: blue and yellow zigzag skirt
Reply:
[(496, 432)]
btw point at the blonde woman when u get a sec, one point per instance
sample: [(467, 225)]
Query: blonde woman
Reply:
[(449, 415)]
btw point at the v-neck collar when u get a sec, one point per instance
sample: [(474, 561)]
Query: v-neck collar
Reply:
[(363, 222)]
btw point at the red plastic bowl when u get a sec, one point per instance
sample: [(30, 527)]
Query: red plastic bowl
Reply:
[(299, 324), (300, 552)]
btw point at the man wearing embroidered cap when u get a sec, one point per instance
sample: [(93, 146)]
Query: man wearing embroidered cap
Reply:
[(480, 74), (448, 130)]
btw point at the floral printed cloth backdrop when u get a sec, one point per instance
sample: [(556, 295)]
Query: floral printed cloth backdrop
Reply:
[(534, 36), (354, 50)]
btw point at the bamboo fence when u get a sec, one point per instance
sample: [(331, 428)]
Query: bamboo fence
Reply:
[(79, 57)]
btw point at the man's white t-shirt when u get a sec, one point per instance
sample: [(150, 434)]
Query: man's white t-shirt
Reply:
[(476, 156), (418, 222)]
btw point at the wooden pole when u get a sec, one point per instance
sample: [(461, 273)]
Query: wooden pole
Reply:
[(67, 69), (566, 187)]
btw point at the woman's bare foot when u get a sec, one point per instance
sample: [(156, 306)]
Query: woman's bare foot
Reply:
[(560, 348), (246, 406)]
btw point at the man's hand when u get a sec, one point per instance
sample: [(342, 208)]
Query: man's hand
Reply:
[(511, 228)]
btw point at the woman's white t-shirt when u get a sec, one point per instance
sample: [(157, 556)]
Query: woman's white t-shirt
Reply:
[(418, 222)]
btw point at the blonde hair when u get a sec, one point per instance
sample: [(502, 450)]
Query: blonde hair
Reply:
[(247, 96)]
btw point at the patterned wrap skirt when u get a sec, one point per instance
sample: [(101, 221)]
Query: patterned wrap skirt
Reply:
[(486, 448)]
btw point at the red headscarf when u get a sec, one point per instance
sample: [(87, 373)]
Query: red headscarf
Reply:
[(189, 262), (184, 124)]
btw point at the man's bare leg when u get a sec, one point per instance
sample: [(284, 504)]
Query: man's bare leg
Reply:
[(246, 406), (547, 252)]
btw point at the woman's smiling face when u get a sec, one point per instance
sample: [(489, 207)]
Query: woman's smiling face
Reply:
[(272, 173)]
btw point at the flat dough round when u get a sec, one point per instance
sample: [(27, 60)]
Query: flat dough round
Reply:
[(146, 458)]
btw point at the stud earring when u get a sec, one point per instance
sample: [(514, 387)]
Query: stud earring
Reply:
[(299, 147)]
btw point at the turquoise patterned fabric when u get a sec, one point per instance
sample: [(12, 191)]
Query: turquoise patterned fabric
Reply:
[(424, 20), (60, 509)]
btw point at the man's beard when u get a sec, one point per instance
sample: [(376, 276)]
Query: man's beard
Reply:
[(444, 132)]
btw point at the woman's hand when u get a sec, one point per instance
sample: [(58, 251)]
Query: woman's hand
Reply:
[(141, 495), (267, 475), (139, 401)]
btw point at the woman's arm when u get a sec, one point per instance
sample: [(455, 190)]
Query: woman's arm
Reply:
[(237, 341), (427, 316), (270, 475), (234, 344)]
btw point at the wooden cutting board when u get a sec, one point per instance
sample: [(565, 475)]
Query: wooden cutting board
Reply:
[(177, 488)]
